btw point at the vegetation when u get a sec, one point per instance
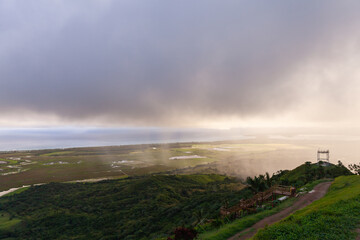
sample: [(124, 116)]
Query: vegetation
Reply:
[(335, 216), (310, 186), (259, 183), (9, 161), (308, 172), (182, 233), (60, 165), (230, 229), (304, 174), (355, 168), (138, 207), (7, 222), (146, 207)]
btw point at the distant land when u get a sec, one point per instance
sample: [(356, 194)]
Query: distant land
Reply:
[(71, 137), (237, 158)]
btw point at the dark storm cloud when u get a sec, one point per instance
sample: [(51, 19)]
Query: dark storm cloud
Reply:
[(152, 62)]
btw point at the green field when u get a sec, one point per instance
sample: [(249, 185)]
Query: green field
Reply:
[(9, 161), (59, 153), (59, 165)]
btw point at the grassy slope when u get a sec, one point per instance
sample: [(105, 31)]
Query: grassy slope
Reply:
[(6, 222), (335, 216), (291, 177), (20, 190), (297, 176)]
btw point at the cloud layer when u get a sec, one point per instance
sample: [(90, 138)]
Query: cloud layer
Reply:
[(178, 63)]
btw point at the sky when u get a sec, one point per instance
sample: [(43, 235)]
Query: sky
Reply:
[(198, 64)]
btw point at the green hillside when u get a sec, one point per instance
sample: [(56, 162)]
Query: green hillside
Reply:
[(335, 216), (305, 177), (134, 208), (308, 172), (144, 207)]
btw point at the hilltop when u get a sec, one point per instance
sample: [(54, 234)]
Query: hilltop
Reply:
[(309, 172)]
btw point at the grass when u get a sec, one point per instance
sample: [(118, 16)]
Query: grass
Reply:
[(189, 162), (9, 161), (310, 186), (335, 216), (57, 153), (204, 178), (238, 225), (97, 179), (17, 191), (6, 222)]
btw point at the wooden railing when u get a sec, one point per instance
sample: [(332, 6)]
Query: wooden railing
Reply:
[(259, 199)]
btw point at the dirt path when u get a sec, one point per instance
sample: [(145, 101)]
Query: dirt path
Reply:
[(303, 201)]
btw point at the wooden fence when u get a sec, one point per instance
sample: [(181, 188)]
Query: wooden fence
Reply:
[(259, 199)]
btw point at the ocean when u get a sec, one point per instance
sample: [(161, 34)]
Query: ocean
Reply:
[(45, 138)]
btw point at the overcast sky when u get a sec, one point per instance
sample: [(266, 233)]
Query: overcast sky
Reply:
[(179, 63)]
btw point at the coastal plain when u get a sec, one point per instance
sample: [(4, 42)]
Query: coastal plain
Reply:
[(234, 158)]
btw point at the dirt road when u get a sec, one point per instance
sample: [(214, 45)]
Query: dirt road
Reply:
[(303, 201)]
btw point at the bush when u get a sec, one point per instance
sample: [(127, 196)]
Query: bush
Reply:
[(182, 233)]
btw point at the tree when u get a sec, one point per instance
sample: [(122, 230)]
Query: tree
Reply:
[(268, 180), (308, 172), (321, 172), (340, 164), (260, 183), (355, 168), (199, 215)]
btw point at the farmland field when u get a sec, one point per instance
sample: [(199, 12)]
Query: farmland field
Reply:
[(18, 168)]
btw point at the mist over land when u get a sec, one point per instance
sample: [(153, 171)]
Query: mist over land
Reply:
[(279, 79), (129, 72), (235, 152)]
